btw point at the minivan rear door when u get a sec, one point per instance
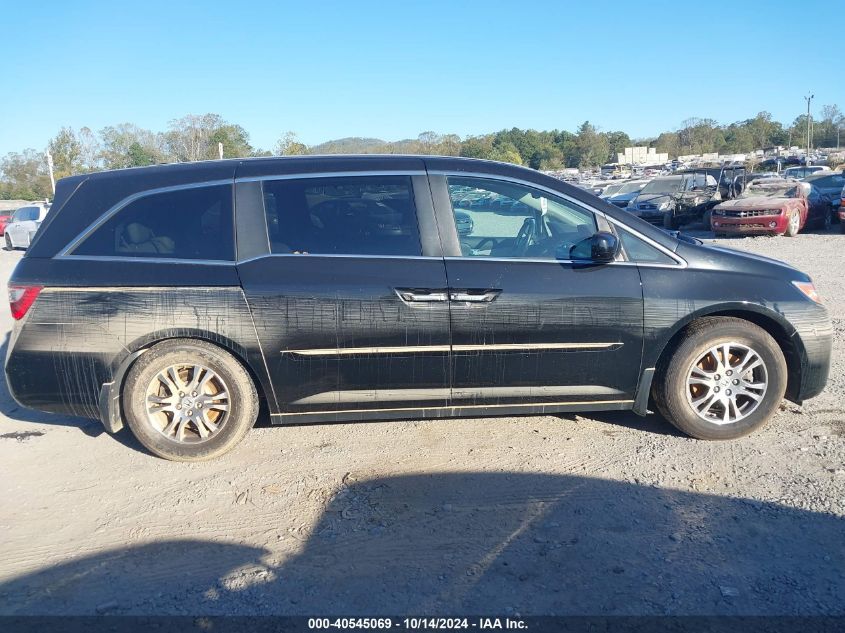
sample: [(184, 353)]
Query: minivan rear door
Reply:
[(347, 288)]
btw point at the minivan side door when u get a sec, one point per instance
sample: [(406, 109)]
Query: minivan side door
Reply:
[(348, 293), (530, 326)]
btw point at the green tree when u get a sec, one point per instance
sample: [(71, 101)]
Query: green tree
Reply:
[(67, 153), (234, 138), (127, 145), (23, 176), (290, 145), (593, 148)]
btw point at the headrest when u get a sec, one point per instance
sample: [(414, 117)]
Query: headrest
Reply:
[(137, 233)]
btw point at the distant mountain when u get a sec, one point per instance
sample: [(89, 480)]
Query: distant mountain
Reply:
[(348, 145)]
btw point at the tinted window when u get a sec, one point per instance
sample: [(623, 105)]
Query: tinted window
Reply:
[(25, 214), (497, 218), (640, 251), (183, 224), (367, 215)]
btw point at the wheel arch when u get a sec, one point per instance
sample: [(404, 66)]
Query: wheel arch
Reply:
[(772, 322), (110, 402)]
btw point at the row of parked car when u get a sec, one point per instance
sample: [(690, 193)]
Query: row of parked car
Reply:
[(731, 201), (18, 228)]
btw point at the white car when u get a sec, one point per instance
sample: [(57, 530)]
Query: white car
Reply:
[(23, 225)]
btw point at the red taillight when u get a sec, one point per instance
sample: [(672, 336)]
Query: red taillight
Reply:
[(21, 299)]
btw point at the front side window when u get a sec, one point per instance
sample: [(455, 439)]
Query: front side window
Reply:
[(497, 218), (194, 223), (346, 215)]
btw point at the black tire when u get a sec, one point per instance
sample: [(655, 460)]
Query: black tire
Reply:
[(8, 241), (827, 219), (670, 221), (707, 220), (242, 399), (842, 226), (671, 388)]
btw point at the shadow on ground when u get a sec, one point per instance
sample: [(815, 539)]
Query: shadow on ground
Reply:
[(479, 543)]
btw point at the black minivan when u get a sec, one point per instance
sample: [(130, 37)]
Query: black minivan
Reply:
[(181, 299)]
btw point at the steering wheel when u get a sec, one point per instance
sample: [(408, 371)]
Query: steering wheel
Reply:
[(526, 236)]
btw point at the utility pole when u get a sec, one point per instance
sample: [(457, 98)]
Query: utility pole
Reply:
[(220, 150), (50, 168), (808, 99)]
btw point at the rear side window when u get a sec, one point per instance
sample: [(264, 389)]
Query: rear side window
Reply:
[(356, 215), (25, 214), (194, 223)]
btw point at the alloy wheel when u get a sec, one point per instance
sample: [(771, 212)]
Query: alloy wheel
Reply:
[(794, 222), (187, 403), (727, 383)]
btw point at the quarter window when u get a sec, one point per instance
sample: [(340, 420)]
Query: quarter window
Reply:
[(497, 218), (366, 215), (640, 251), (194, 223)]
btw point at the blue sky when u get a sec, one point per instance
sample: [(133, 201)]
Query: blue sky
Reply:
[(394, 69)]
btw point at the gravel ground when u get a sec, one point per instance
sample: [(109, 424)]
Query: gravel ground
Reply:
[(592, 514)]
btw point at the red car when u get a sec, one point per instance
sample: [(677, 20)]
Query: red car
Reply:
[(772, 206), (5, 218)]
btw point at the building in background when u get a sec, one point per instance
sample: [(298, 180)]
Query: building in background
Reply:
[(643, 156)]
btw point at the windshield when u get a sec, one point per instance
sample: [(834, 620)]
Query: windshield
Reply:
[(630, 187), (767, 189), (662, 185)]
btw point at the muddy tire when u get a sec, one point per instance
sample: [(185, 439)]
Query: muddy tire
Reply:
[(188, 400), (709, 399), (793, 224)]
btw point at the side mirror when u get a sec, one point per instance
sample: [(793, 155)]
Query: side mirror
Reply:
[(601, 247)]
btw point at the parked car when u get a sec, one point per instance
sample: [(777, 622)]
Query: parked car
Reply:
[(23, 225), (627, 192), (463, 222), (829, 184), (774, 206), (5, 218), (139, 303), (674, 200), (611, 190), (731, 178), (802, 172)]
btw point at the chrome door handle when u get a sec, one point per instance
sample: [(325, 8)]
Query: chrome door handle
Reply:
[(473, 297), (421, 296)]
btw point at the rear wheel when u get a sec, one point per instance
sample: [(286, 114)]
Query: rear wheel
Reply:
[(188, 400), (793, 224), (725, 379)]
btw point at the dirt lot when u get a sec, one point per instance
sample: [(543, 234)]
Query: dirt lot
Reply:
[(610, 514)]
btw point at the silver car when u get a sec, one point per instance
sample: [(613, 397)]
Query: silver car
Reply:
[(24, 223)]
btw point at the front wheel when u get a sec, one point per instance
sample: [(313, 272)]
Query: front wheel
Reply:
[(188, 400), (9, 245), (670, 221), (793, 224), (724, 380)]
